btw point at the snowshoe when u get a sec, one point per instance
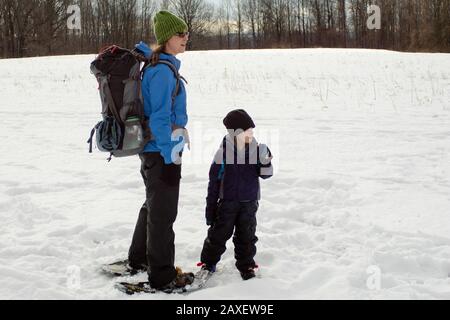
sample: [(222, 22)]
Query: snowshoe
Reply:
[(192, 283), (122, 269)]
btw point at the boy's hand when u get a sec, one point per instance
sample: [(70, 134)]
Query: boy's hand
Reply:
[(210, 213), (265, 155)]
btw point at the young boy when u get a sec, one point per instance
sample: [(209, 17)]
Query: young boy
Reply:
[(233, 194)]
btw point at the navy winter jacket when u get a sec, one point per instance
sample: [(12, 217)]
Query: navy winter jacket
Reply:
[(234, 175)]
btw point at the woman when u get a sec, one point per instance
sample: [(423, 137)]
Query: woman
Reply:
[(153, 239)]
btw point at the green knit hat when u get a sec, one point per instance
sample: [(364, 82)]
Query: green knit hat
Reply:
[(167, 25)]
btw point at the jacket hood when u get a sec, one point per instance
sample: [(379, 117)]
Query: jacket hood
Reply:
[(147, 51)]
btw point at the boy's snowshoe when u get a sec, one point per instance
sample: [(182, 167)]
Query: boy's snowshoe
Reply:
[(249, 274)]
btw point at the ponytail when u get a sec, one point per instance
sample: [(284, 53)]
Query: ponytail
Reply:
[(156, 52)]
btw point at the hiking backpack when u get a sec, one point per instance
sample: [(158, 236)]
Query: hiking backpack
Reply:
[(124, 130)]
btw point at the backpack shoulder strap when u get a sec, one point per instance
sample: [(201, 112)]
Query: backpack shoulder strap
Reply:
[(177, 75), (174, 69), (221, 175), (224, 160)]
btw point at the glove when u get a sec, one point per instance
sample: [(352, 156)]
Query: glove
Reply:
[(211, 213), (144, 49), (171, 174), (265, 156)]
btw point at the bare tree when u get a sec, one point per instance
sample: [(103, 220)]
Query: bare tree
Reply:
[(38, 27), (165, 5), (239, 25), (252, 15), (227, 10), (19, 22), (197, 14), (342, 22), (147, 12)]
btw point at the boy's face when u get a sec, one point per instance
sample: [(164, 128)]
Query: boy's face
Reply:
[(246, 136)]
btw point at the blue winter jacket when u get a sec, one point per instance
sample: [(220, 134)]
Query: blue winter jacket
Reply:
[(235, 175), (158, 85)]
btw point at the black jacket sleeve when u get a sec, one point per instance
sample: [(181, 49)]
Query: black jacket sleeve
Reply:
[(215, 176), (214, 184)]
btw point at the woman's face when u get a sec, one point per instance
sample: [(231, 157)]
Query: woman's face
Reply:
[(177, 44)]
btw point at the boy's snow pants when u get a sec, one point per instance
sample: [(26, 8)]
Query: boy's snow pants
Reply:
[(239, 217)]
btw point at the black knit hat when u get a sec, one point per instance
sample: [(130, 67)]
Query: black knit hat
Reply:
[(238, 119)]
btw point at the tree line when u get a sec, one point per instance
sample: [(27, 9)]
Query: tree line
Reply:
[(45, 27)]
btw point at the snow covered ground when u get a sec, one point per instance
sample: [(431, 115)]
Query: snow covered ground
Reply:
[(361, 191)]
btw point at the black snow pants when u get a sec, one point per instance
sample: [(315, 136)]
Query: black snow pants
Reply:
[(153, 241), (239, 217)]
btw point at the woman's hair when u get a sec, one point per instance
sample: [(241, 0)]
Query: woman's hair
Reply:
[(156, 52)]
